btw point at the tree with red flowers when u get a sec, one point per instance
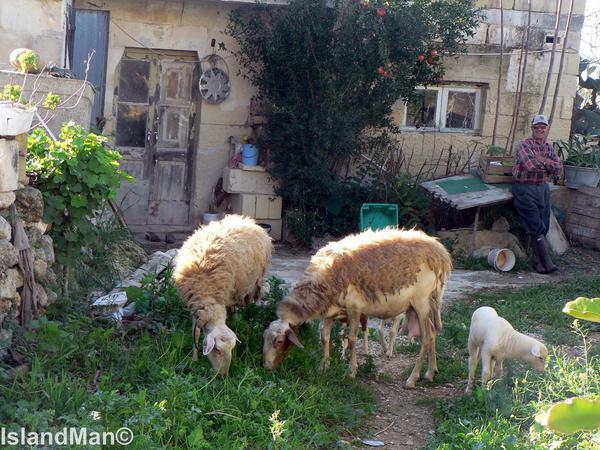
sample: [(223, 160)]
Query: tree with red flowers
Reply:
[(329, 70)]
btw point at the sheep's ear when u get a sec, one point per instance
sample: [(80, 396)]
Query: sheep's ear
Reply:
[(293, 338), (209, 344), (535, 351)]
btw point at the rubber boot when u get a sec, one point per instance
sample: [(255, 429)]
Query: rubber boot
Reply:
[(543, 252)]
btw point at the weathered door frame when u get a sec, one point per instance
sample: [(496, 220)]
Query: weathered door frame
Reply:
[(156, 58)]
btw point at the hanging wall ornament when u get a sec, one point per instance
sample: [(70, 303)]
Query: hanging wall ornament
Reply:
[(214, 82)]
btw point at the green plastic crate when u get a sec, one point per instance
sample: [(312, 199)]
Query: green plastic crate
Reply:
[(377, 216)]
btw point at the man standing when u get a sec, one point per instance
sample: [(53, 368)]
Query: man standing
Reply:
[(535, 162)]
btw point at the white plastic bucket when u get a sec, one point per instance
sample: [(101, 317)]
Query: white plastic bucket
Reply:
[(15, 119), (9, 165), (502, 259)]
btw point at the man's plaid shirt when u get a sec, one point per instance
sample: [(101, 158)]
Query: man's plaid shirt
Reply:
[(528, 170)]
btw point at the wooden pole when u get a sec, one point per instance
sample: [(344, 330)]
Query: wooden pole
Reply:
[(562, 60), (549, 75), (520, 94), (499, 74)]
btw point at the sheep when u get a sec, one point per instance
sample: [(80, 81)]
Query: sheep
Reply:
[(221, 265), (377, 273), (492, 338)]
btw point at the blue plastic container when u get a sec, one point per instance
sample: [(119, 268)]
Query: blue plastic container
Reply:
[(377, 216), (249, 155)]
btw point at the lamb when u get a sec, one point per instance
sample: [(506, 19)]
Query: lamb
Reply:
[(377, 273), (221, 265), (493, 338)]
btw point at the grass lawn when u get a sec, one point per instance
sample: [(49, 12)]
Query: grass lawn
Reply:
[(503, 416), (86, 373)]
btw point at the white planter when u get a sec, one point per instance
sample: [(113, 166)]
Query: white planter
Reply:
[(15, 119), (581, 176), (9, 165)]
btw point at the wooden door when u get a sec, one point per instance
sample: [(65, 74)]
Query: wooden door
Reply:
[(156, 116)]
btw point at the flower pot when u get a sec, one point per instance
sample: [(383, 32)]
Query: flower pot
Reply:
[(14, 118), (581, 176)]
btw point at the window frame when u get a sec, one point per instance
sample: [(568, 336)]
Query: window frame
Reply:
[(441, 109)]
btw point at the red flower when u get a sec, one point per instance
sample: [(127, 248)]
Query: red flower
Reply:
[(381, 12)]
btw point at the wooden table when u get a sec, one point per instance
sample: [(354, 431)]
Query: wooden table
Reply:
[(493, 195)]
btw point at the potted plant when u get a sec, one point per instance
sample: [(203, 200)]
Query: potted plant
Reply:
[(17, 111), (581, 156)]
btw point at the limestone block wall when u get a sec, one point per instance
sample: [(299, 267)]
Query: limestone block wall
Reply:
[(30, 208), (36, 24), (479, 68)]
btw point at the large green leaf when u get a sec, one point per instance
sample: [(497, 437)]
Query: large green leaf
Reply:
[(571, 415), (584, 308)]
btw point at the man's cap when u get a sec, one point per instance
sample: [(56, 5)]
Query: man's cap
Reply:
[(540, 118)]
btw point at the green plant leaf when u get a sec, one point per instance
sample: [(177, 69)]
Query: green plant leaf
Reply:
[(572, 415), (584, 308)]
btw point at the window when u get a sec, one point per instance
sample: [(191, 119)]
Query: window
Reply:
[(444, 108)]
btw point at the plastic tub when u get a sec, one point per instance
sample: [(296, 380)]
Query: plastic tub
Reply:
[(502, 259)]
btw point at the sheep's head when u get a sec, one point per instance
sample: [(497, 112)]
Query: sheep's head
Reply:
[(537, 356), (278, 338), (218, 347)]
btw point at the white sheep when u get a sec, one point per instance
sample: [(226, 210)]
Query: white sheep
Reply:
[(376, 273), (493, 339), (221, 265)]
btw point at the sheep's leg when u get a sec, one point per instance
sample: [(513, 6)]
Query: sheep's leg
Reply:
[(432, 362), (486, 365), (382, 335), (498, 369), (425, 343), (393, 334), (473, 359), (364, 325), (326, 325), (196, 338), (344, 338), (353, 321)]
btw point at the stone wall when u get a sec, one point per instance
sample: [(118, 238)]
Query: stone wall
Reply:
[(30, 208)]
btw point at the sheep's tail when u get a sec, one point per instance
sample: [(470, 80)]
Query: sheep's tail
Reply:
[(437, 298)]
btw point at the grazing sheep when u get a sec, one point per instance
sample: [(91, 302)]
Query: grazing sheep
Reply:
[(494, 339), (376, 273), (221, 265)]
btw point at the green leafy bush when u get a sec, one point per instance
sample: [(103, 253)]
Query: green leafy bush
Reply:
[(77, 173)]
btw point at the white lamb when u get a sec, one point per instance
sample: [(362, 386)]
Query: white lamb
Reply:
[(494, 339)]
